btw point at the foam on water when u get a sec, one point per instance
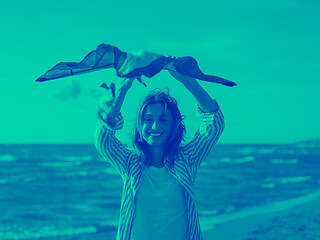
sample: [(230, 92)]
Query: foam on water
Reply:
[(286, 180)]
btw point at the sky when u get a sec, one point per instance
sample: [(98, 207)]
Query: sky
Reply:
[(269, 48)]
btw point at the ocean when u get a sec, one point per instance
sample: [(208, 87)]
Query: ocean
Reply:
[(64, 192)]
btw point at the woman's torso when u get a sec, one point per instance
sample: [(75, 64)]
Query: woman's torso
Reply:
[(161, 211)]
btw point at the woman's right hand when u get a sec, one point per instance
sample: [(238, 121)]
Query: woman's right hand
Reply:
[(108, 93), (112, 98)]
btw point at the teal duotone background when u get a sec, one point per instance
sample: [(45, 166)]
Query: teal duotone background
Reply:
[(269, 48)]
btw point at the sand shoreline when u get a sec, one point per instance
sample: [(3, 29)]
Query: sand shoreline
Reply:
[(300, 221)]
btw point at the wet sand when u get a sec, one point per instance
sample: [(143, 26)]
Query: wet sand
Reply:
[(300, 222)]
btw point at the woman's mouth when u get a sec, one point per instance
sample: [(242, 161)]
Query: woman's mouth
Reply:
[(155, 134)]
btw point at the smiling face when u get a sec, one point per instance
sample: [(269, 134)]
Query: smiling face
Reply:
[(156, 125)]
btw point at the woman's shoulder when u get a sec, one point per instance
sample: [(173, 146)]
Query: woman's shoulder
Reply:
[(183, 148), (181, 154), (135, 158)]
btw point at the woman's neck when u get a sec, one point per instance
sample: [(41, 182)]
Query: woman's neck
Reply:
[(156, 157), (157, 161)]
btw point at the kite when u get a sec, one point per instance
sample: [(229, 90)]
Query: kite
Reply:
[(131, 65)]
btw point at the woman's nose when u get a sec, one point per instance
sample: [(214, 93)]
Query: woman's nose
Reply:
[(154, 125)]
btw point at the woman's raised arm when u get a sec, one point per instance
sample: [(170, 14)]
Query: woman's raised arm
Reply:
[(111, 120)]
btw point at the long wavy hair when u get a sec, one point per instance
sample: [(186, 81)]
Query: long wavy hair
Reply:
[(177, 132)]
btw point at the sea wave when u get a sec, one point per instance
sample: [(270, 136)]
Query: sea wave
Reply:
[(15, 180), (60, 164), (237, 160), (110, 170), (44, 232), (246, 150), (270, 150), (206, 213), (82, 173), (30, 179), (7, 158), (268, 185), (286, 180), (208, 164), (313, 143), (4, 181), (75, 158), (216, 212), (284, 161)]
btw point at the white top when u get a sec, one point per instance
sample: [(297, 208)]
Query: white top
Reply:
[(161, 210)]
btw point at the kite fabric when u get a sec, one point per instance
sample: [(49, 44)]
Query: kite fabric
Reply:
[(131, 65)]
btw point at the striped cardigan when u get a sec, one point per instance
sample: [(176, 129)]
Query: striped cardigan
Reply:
[(186, 164)]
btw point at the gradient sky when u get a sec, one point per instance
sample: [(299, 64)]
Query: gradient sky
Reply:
[(269, 48)]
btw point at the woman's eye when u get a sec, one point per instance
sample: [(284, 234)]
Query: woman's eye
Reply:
[(150, 120)]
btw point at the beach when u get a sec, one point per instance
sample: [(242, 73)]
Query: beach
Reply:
[(243, 192), (300, 222)]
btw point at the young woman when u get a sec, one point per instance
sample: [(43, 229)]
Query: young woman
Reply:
[(158, 199)]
